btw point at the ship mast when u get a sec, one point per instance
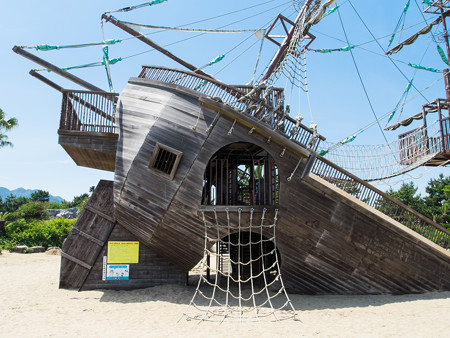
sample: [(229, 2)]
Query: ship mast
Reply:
[(279, 56), (441, 6)]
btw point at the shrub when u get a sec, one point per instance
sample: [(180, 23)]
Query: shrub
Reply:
[(44, 233), (30, 210), (57, 205), (7, 244)]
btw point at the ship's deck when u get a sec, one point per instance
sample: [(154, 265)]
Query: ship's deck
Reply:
[(89, 133)]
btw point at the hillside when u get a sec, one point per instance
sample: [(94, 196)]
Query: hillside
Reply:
[(21, 192)]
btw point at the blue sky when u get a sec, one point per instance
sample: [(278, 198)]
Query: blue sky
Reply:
[(338, 103)]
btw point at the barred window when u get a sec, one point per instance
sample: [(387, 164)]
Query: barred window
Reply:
[(165, 160)]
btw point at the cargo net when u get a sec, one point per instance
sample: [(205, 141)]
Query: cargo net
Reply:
[(242, 281)]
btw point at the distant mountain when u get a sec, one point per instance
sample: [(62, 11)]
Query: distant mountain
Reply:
[(21, 192)]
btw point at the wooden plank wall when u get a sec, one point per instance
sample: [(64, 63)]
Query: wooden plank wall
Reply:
[(87, 237), (92, 150), (328, 243), (149, 114), (182, 220), (342, 246), (152, 269)]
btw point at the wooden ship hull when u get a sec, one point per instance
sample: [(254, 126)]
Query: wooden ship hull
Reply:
[(194, 159), (178, 152)]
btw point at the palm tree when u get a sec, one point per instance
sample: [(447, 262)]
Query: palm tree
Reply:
[(6, 125)]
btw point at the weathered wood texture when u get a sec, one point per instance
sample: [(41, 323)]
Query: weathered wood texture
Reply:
[(152, 269), (328, 241), (148, 114), (334, 243), (87, 238), (92, 150)]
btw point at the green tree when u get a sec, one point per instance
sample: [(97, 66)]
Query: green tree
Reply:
[(437, 197), (12, 203), (6, 125), (407, 194), (40, 195), (438, 200), (80, 200)]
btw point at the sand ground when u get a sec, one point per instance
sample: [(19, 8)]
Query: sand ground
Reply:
[(32, 305)]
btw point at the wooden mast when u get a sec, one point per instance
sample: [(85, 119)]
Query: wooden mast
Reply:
[(287, 40), (446, 71), (152, 44), (57, 70)]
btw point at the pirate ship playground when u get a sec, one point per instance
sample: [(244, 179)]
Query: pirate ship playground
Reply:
[(222, 174)]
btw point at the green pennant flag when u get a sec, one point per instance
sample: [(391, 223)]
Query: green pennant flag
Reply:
[(217, 59), (442, 54), (348, 139), (424, 68), (343, 49), (46, 48), (331, 11)]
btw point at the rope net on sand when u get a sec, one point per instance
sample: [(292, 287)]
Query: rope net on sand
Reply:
[(243, 263)]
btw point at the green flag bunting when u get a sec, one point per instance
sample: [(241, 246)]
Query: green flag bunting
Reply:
[(442, 54), (343, 49), (46, 48), (405, 94), (331, 11), (348, 139), (217, 59), (424, 68)]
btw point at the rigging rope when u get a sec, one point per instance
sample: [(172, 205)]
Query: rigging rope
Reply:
[(401, 101), (247, 284), (87, 65), (130, 8), (46, 48), (401, 22), (414, 37), (332, 147), (387, 55), (360, 77), (198, 30), (378, 162)]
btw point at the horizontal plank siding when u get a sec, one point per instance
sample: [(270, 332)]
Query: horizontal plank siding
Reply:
[(328, 241)]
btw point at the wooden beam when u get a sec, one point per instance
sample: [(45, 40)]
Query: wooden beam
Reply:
[(56, 69), (152, 44), (46, 81)]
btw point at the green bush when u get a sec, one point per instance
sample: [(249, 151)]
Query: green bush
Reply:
[(57, 205), (30, 210), (6, 244), (44, 233)]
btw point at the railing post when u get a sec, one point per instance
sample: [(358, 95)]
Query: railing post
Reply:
[(441, 126)]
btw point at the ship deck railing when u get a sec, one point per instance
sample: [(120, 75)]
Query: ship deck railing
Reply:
[(263, 104), (94, 112), (429, 140), (381, 201), (425, 140), (88, 111)]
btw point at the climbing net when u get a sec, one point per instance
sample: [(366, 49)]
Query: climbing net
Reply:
[(245, 282), (377, 162)]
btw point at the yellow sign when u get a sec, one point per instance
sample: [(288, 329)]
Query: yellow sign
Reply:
[(123, 252)]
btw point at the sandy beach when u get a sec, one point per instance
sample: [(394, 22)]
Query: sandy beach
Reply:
[(32, 305)]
